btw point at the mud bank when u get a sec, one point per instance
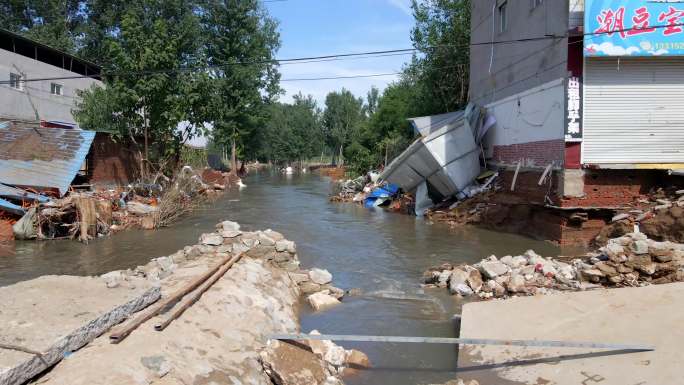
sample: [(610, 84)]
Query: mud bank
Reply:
[(222, 338)]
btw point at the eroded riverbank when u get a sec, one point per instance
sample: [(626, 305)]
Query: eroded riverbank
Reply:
[(381, 253), (220, 336)]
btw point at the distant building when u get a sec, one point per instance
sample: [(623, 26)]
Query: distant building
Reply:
[(49, 103), (594, 88), (45, 100)]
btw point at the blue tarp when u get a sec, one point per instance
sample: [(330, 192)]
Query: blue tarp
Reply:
[(381, 194)]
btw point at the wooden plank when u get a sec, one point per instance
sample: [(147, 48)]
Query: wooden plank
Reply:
[(120, 333), (546, 172), (187, 302), (515, 176)]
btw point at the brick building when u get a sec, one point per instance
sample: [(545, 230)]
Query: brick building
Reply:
[(48, 103), (604, 97), (592, 88)]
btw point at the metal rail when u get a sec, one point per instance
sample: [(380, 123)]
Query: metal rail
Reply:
[(464, 341)]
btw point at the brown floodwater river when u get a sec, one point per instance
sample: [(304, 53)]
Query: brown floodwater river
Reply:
[(383, 254)]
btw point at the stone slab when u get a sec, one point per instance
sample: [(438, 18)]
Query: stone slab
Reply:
[(57, 315), (651, 315), (215, 341)]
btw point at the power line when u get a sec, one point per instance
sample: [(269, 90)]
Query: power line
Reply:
[(299, 60), (586, 34), (341, 77), (342, 56)]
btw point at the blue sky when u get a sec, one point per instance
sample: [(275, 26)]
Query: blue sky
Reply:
[(324, 27)]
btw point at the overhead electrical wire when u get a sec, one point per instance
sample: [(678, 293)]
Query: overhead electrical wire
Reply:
[(342, 56), (340, 77)]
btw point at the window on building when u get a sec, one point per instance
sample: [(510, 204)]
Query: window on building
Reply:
[(503, 16), (537, 3), (16, 82), (56, 89)]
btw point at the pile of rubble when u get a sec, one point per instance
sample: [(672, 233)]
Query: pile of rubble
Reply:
[(351, 190), (270, 246), (370, 192), (311, 362), (85, 215), (462, 212), (659, 215), (631, 260)]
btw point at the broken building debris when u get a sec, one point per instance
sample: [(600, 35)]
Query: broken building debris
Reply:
[(631, 260)]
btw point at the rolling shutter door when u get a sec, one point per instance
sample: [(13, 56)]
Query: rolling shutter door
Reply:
[(633, 110)]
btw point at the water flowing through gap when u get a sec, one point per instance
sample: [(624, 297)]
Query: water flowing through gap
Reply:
[(381, 253)]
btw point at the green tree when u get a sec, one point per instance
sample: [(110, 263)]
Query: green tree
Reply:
[(239, 32), (157, 39), (386, 132), (293, 131), (372, 99), (440, 71), (56, 23), (342, 121)]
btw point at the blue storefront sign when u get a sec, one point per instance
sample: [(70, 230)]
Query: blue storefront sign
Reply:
[(634, 27)]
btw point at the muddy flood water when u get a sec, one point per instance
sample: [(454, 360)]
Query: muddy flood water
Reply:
[(381, 253)]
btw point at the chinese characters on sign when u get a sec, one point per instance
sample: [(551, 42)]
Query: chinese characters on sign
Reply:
[(573, 121), (634, 27)]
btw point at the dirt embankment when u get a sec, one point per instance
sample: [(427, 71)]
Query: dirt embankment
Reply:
[(224, 336)]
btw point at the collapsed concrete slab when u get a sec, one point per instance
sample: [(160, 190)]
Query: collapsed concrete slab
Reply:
[(650, 315), (57, 315)]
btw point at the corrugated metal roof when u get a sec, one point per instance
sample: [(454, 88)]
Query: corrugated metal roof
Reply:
[(11, 207), (425, 125), (447, 157), (19, 194), (42, 158)]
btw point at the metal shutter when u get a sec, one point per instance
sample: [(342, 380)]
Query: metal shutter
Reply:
[(633, 110)]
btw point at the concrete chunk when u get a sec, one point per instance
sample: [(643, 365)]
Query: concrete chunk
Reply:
[(320, 276), (322, 300), (493, 269), (73, 311)]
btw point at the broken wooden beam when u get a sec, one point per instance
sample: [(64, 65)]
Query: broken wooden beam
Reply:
[(120, 333), (187, 302)]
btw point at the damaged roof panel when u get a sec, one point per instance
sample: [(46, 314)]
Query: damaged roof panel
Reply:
[(42, 158), (447, 156), (426, 125), (11, 207), (19, 194)]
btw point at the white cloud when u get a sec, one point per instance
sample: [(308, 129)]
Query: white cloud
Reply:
[(403, 5), (609, 49), (659, 52)]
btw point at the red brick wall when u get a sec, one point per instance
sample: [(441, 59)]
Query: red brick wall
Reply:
[(545, 223), (111, 162), (527, 188), (612, 188), (539, 153)]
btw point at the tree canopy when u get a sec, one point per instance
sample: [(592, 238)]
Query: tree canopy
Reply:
[(164, 62), (197, 61)]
